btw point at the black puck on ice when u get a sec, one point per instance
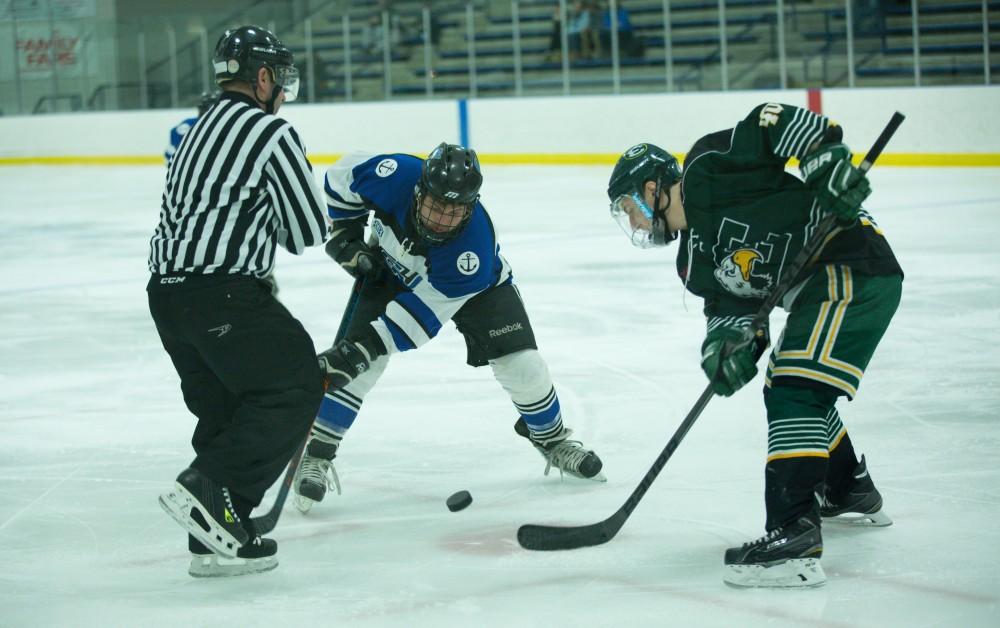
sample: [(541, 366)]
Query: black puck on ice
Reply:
[(459, 500)]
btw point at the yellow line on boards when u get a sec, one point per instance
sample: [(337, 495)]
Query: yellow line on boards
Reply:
[(961, 160), (83, 160)]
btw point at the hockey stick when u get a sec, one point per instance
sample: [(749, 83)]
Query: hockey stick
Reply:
[(545, 538), (266, 522)]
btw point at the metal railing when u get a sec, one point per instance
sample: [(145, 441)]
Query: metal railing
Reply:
[(472, 48)]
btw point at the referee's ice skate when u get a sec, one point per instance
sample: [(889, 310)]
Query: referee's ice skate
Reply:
[(206, 511)]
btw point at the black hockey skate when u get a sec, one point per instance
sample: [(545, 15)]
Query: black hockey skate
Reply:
[(861, 505), (316, 474), (256, 556), (205, 509), (568, 456), (784, 557)]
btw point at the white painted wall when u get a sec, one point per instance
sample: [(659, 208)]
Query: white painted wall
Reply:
[(939, 120)]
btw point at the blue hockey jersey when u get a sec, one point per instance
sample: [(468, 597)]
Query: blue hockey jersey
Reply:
[(438, 280), (176, 135)]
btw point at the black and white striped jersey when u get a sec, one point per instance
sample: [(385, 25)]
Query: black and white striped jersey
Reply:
[(238, 184)]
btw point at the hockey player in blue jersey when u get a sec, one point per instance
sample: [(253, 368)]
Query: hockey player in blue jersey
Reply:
[(178, 132), (434, 257)]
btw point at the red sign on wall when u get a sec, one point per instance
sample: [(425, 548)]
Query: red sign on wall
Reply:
[(40, 54)]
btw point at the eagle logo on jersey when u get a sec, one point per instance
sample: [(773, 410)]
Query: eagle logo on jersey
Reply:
[(386, 167), (736, 274)]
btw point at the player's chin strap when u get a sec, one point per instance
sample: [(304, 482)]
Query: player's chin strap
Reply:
[(659, 232), (269, 103)]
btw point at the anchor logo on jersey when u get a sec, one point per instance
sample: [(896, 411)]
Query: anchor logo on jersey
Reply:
[(468, 263), (736, 274)]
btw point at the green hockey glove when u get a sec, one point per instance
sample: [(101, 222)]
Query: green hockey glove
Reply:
[(839, 187), (730, 373)]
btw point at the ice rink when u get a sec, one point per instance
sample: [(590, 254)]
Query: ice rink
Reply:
[(93, 428)]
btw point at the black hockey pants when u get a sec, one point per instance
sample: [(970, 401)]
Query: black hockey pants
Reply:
[(248, 372)]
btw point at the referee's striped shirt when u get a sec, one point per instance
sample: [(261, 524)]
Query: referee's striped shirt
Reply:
[(239, 184)]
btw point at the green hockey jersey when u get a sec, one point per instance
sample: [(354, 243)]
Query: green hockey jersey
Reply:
[(748, 218)]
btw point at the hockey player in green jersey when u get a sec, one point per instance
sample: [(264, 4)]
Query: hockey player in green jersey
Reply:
[(741, 220)]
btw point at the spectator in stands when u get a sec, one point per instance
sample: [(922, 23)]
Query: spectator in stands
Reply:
[(629, 44), (435, 26), (372, 33), (580, 31), (554, 52)]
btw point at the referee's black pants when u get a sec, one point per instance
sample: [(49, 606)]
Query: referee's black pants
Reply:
[(248, 371)]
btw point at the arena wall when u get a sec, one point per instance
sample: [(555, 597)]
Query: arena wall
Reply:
[(947, 126)]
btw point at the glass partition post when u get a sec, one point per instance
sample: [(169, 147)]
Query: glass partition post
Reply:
[(470, 39), (916, 42), (172, 51), (17, 66), (668, 46), (141, 61), (850, 42), (53, 70), (386, 55), (564, 36), (515, 22), (616, 71), (986, 43), (206, 61), (345, 23), (782, 56), (307, 32), (723, 50), (428, 53)]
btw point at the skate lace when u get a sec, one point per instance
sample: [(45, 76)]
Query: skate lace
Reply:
[(767, 538), (320, 471), (565, 456), (229, 504)]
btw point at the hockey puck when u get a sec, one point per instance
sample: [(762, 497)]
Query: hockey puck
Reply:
[(459, 500)]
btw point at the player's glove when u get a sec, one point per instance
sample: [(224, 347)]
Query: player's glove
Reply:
[(839, 187), (730, 373), (342, 362), (347, 248)]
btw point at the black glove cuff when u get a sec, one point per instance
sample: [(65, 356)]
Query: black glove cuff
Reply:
[(368, 338)]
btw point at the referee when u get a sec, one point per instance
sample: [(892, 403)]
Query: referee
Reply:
[(239, 185)]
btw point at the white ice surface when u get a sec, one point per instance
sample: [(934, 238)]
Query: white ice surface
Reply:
[(93, 428)]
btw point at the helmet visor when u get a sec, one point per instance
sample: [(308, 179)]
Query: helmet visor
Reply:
[(635, 218), (287, 78)]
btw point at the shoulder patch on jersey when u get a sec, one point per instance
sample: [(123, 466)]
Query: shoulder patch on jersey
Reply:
[(386, 167), (467, 263)]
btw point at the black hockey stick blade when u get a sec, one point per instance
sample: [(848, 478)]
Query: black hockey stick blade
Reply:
[(544, 538), (541, 538)]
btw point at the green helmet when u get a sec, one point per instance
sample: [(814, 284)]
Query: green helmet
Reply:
[(641, 163), (644, 225)]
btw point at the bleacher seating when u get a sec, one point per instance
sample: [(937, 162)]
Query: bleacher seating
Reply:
[(950, 32)]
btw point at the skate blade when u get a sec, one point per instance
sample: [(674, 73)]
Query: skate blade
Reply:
[(303, 504), (215, 566), (793, 573), (855, 519), (178, 503)]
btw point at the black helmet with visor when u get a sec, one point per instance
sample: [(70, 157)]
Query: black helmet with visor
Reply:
[(241, 52), (645, 225)]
